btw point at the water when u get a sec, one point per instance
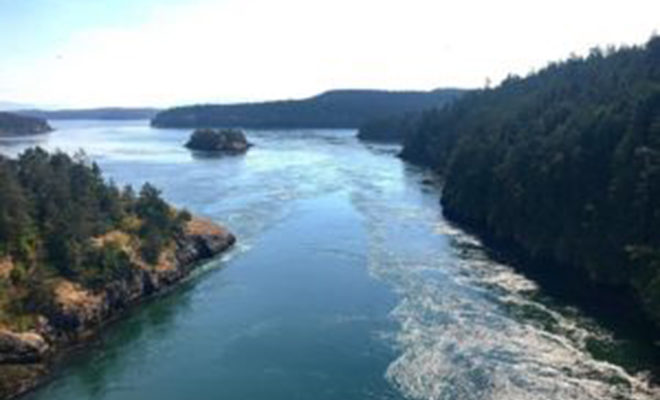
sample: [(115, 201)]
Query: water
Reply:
[(347, 284)]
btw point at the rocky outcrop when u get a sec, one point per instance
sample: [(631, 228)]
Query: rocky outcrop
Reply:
[(223, 140), (22, 361), (78, 312), (21, 348)]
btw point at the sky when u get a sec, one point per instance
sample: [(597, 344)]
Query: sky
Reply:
[(85, 53)]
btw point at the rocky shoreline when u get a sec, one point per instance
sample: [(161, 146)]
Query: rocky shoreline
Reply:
[(26, 358)]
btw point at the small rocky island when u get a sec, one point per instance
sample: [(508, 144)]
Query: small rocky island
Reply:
[(14, 124), (231, 141)]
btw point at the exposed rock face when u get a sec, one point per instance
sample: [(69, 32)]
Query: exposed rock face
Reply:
[(223, 140), (78, 312), (19, 348)]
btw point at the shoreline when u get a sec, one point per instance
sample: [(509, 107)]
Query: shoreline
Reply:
[(612, 307), (29, 359)]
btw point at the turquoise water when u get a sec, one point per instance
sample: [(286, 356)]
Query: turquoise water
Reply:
[(347, 283)]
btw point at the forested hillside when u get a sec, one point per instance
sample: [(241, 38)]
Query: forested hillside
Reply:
[(392, 128), (54, 210), (395, 127), (14, 124), (334, 109), (563, 164)]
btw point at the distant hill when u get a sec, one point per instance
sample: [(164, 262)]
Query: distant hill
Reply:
[(333, 109), (14, 124), (112, 113)]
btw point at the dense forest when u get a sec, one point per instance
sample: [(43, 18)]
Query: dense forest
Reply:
[(334, 109), (112, 113), (54, 210), (392, 128), (14, 124), (564, 164)]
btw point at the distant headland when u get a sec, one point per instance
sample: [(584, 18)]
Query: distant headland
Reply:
[(14, 124), (332, 109)]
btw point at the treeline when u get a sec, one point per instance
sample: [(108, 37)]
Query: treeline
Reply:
[(333, 109), (14, 124), (395, 127), (52, 207), (564, 164), (392, 128)]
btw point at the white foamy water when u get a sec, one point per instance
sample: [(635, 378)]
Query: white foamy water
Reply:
[(471, 329)]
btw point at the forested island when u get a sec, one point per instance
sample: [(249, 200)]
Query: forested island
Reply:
[(230, 141), (14, 124), (563, 166), (76, 250), (333, 109)]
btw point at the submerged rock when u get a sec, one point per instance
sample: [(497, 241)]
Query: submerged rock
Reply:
[(223, 140)]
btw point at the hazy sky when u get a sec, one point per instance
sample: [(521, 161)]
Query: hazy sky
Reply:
[(88, 53)]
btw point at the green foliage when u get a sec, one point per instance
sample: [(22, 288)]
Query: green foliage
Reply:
[(108, 263), (52, 206), (159, 222), (391, 128), (15, 229), (396, 126), (564, 163)]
